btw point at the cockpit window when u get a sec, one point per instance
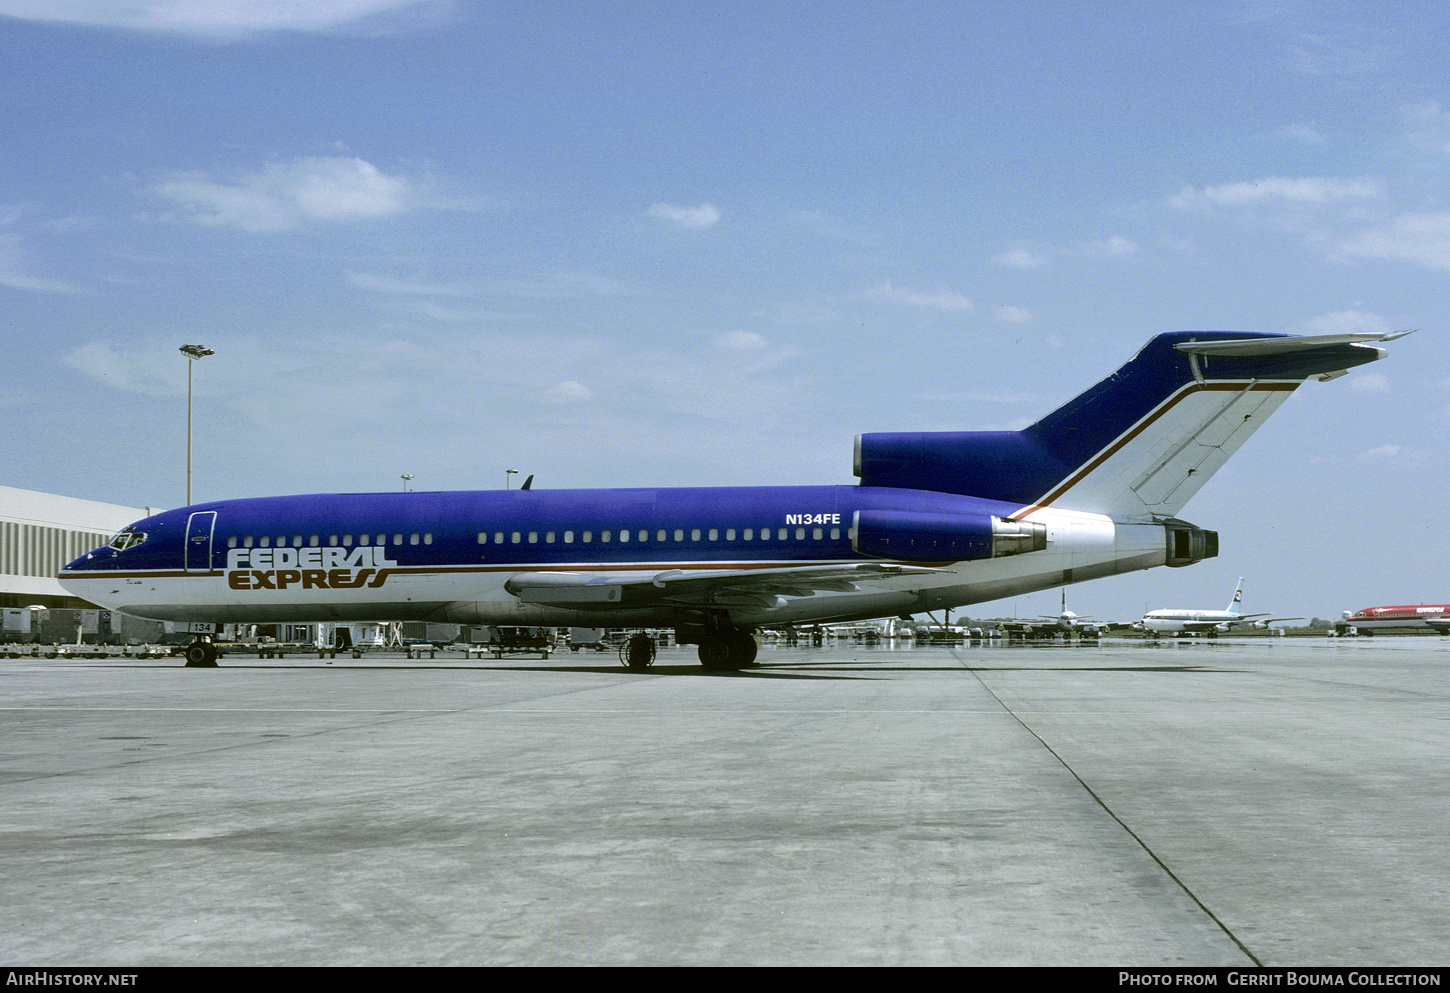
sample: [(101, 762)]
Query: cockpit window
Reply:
[(128, 539)]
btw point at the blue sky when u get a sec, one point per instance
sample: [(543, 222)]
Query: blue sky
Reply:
[(696, 244)]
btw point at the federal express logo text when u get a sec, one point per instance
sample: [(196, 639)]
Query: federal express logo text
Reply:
[(310, 568)]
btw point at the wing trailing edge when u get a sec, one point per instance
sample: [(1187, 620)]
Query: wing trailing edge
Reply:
[(700, 587)]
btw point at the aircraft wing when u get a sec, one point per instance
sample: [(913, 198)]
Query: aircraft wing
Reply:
[(1026, 627), (1205, 625), (1243, 620), (749, 588)]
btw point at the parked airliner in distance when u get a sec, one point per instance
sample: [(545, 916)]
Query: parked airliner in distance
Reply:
[(1209, 622), (935, 520), (1411, 617), (1067, 623)]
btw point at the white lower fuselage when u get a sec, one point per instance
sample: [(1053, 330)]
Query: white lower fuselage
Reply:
[(1170, 621)]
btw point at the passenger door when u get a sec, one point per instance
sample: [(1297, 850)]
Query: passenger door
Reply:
[(199, 528)]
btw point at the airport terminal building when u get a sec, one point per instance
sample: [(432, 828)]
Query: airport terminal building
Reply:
[(39, 534)]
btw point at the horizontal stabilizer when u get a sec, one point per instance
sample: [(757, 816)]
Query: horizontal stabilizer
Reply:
[(1256, 347), (1136, 445)]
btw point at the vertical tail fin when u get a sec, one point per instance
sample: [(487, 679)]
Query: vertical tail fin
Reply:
[(1236, 605), (1136, 445)]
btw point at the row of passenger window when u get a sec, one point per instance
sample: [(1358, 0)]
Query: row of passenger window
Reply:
[(313, 541), (660, 535), (622, 535)]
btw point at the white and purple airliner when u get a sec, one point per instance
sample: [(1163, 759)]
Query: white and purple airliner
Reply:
[(936, 520)]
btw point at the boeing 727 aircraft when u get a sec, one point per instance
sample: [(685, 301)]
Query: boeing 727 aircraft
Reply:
[(1209, 622), (936, 520)]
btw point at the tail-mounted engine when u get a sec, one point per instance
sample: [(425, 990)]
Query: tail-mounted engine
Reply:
[(1188, 544), (923, 537)]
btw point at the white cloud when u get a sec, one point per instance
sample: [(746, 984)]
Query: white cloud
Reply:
[(1346, 322), (386, 284), (1278, 189), (448, 383), (20, 281), (1020, 258), (149, 372), (1354, 231), (944, 300), (569, 391), (1115, 247), (812, 311), (564, 285), (1427, 127), (427, 296), (742, 341), (830, 226), (231, 19), (1370, 382), (282, 196), (1184, 246), (1008, 314), (691, 218), (1382, 452), (14, 272), (1301, 132), (1422, 238), (1338, 51)]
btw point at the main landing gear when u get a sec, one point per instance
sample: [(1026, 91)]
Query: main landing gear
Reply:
[(637, 651), (720, 649), (726, 650)]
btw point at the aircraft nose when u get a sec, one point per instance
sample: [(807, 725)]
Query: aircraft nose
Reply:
[(86, 561)]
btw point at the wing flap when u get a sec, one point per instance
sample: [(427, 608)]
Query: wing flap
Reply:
[(725, 587)]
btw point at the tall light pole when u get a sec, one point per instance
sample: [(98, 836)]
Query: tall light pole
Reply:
[(192, 353), (406, 476), (506, 480)]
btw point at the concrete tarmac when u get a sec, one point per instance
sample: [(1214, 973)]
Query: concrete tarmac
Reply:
[(1273, 801)]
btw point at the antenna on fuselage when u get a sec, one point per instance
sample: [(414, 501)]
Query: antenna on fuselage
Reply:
[(528, 482)]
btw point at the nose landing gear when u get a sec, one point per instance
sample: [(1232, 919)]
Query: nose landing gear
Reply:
[(201, 654)]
